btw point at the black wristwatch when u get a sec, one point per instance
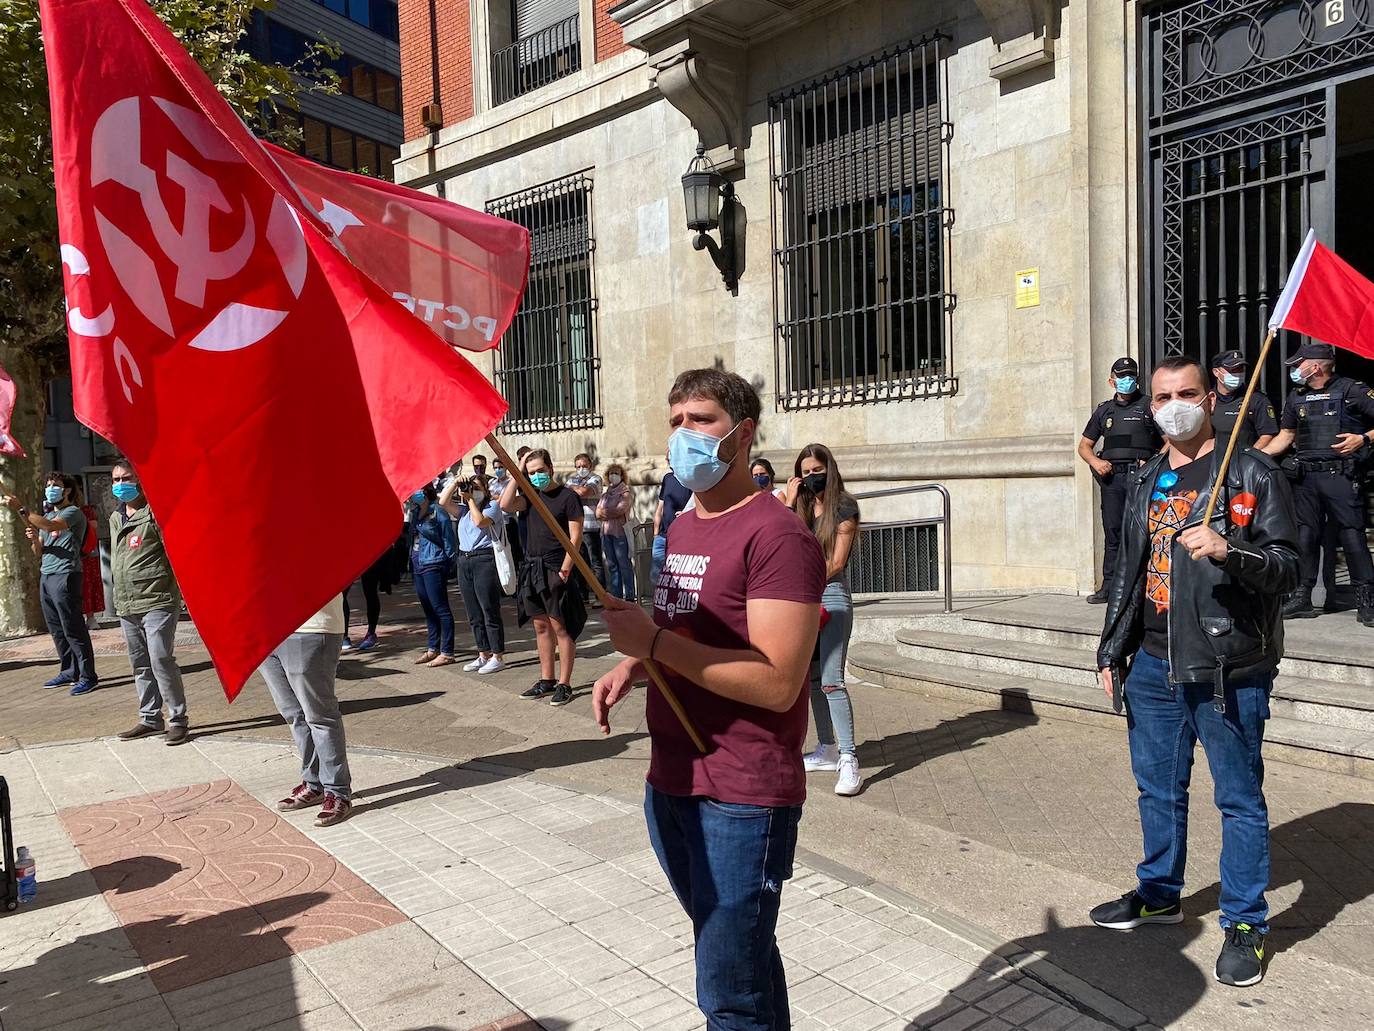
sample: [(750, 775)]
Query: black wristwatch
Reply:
[(23, 512)]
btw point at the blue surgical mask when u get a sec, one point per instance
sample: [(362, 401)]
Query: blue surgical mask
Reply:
[(125, 491), (1230, 380), (762, 480), (418, 497), (695, 458), (1125, 384), (52, 494), (540, 480), (1295, 374)]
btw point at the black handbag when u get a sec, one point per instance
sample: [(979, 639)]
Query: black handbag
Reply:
[(9, 877)]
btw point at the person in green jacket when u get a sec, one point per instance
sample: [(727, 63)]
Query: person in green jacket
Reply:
[(148, 602)]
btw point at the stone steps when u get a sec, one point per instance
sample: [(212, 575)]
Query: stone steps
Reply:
[(1339, 749), (1334, 703)]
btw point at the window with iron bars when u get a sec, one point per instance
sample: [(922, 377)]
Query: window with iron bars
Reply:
[(861, 223), (547, 367)]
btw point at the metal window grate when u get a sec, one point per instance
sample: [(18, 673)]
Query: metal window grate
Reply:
[(893, 558), (859, 163), (547, 367), (536, 60)]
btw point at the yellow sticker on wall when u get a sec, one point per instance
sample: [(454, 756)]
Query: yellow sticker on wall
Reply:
[(1028, 288)]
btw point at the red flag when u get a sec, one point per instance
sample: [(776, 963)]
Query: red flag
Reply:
[(8, 445), (276, 401), (1327, 299)]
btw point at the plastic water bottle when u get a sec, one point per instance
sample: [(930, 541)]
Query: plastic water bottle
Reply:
[(27, 871)]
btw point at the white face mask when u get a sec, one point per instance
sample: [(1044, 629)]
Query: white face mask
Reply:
[(1180, 420), (615, 479), (478, 497)]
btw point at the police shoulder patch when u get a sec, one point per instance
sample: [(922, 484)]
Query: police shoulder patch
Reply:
[(1110, 420)]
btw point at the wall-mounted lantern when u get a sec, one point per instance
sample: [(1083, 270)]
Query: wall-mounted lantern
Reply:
[(710, 199)]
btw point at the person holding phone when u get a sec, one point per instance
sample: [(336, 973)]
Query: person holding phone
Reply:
[(478, 516), (432, 552)]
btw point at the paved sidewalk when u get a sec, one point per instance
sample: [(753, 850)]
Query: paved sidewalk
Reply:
[(1007, 823), (173, 896)]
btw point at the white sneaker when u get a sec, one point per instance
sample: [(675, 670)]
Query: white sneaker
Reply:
[(492, 665), (850, 780), (475, 665), (825, 757)]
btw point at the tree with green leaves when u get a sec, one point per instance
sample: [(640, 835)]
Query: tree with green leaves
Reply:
[(33, 337)]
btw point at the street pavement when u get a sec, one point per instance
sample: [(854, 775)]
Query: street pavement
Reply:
[(981, 835)]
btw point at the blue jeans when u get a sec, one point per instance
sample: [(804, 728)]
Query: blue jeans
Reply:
[(1165, 722), (726, 863), (432, 588), (832, 710), (660, 556), (620, 572)]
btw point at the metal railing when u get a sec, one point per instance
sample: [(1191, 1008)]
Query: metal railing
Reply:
[(888, 529), (536, 60), (943, 575)]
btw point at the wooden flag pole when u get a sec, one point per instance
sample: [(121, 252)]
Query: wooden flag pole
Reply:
[(1235, 433), (535, 498)]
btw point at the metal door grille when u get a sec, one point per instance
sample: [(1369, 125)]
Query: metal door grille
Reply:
[(1208, 51), (859, 163), (547, 366), (1234, 205), (894, 558)]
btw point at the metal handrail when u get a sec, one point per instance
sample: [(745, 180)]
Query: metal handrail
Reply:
[(942, 520)]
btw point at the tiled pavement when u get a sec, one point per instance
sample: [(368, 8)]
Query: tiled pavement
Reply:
[(172, 897), (1013, 824)]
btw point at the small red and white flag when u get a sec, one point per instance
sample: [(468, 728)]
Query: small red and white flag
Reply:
[(1326, 299), (271, 343), (8, 395)]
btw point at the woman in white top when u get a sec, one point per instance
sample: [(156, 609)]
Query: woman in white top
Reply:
[(480, 520)]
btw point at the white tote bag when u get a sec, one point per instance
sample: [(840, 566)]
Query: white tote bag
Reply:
[(505, 563)]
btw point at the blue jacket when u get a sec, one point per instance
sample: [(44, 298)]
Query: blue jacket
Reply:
[(433, 544)]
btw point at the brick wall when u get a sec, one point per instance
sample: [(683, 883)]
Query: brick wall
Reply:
[(455, 62), (610, 40)]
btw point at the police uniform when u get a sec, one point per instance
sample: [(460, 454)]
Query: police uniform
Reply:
[(1129, 436), (1328, 484), (1259, 420)]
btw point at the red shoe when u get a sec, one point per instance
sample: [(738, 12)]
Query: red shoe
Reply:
[(301, 797), (335, 810)]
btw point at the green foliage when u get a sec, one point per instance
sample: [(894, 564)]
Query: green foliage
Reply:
[(214, 32)]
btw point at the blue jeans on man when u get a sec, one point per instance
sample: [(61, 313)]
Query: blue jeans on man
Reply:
[(1165, 723), (726, 862)]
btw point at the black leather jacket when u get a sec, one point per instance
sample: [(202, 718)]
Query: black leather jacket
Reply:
[(1224, 617)]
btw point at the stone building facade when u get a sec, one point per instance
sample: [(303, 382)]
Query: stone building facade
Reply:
[(940, 222)]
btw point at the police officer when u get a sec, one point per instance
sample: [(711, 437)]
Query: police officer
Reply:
[(1259, 425), (1129, 436), (1328, 425)]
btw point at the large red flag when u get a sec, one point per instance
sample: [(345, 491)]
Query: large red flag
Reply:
[(1327, 299), (276, 401)]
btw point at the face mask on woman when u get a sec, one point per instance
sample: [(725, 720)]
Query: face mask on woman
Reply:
[(418, 497), (52, 494), (615, 479), (540, 480), (477, 497), (814, 482), (762, 480)]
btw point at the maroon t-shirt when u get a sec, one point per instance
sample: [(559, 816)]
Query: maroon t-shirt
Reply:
[(714, 566)]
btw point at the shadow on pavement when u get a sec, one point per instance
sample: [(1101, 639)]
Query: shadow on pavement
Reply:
[(1330, 852), (502, 766), (91, 974), (348, 706), (122, 877), (904, 752)]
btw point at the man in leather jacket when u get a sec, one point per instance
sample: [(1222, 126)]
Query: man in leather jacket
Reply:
[(1193, 628)]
